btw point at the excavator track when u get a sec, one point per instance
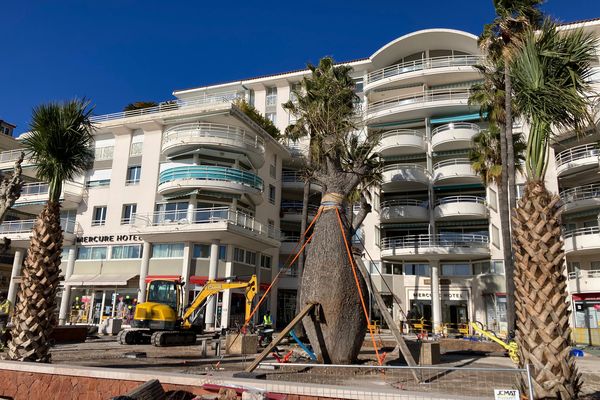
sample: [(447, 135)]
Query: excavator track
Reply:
[(173, 338), (134, 336)]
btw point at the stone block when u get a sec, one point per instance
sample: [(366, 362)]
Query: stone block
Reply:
[(425, 353), (244, 344)]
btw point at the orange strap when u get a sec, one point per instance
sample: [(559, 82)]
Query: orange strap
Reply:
[(360, 293)]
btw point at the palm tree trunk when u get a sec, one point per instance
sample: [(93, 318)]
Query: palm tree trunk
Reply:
[(543, 332), (338, 331), (35, 317)]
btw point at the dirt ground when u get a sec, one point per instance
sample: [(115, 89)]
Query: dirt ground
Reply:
[(106, 352)]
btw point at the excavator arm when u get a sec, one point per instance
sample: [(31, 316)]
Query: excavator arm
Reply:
[(214, 287)]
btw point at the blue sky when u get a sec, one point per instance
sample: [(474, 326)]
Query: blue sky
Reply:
[(118, 51)]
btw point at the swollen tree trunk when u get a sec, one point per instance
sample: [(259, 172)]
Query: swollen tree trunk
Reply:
[(338, 330), (543, 332), (34, 316)]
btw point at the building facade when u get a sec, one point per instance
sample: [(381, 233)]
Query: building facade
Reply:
[(193, 189)]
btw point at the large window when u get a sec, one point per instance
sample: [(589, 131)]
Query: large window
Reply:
[(126, 251), (133, 175), (456, 270), (128, 213), (265, 261), (167, 250), (170, 212), (417, 269), (92, 253), (99, 217), (97, 178), (271, 100), (203, 251)]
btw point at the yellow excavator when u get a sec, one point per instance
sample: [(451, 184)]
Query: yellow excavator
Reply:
[(162, 321)]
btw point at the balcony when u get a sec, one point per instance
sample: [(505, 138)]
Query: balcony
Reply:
[(419, 105), (418, 68), (211, 178), (404, 176), (581, 198), (453, 136), (455, 171), (8, 158), (185, 138), (404, 210), (425, 247), (460, 208), (577, 159), (582, 241), (584, 281), (206, 224), (292, 210), (35, 195), (401, 141), (19, 232), (289, 244), (294, 180)]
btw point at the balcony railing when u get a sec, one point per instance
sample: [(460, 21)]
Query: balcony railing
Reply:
[(290, 239), (577, 153), (439, 240), (296, 207), (26, 225), (104, 153), (136, 149), (207, 216), (211, 173), (292, 176), (216, 98), (581, 193), (454, 161), (583, 274), (401, 132), (12, 155), (455, 125), (590, 230), (423, 64), (404, 203), (34, 189), (460, 199), (217, 131), (418, 98), (403, 167)]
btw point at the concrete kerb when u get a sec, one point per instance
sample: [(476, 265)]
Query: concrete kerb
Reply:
[(292, 388)]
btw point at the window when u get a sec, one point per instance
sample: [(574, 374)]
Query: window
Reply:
[(271, 100), (417, 269), (595, 266), (271, 116), (133, 175), (238, 255), (171, 212), (495, 267), (493, 199), (91, 253), (377, 236), (126, 251), (201, 251), (250, 257), (100, 177), (99, 217), (222, 253), (495, 236), (272, 194), (520, 190), (163, 292), (273, 167), (266, 261), (376, 201), (167, 250), (456, 270), (128, 213), (137, 144), (358, 86)]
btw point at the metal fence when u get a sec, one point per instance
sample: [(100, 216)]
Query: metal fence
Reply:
[(398, 382)]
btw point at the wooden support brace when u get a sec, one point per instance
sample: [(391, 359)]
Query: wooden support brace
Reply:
[(307, 308)]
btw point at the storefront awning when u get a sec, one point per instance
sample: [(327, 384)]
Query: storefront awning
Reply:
[(100, 280)]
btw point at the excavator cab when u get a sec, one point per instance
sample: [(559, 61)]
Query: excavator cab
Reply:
[(162, 307)]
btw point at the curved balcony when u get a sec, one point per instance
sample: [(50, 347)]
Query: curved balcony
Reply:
[(418, 68), (401, 141), (419, 105), (182, 139), (584, 281), (453, 136), (404, 176), (447, 246), (455, 171), (210, 178), (404, 210), (582, 241), (292, 210), (294, 180), (581, 198), (577, 159), (460, 208), (35, 195)]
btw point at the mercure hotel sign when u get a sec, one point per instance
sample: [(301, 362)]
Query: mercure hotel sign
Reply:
[(108, 239)]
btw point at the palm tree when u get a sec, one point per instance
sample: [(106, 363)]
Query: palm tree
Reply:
[(550, 73), (60, 146), (340, 161), (139, 105)]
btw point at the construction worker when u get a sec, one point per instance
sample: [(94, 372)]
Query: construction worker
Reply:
[(267, 321)]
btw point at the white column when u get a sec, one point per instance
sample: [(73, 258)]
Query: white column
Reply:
[(213, 267), (65, 301), (436, 304), (91, 310), (185, 270), (102, 306), (226, 297), (144, 271), (16, 271), (190, 209)]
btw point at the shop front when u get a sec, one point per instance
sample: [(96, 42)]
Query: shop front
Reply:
[(586, 318), (455, 305)]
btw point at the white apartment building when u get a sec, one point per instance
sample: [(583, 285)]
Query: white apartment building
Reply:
[(193, 189)]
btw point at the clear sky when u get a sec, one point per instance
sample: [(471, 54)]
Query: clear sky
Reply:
[(119, 51)]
